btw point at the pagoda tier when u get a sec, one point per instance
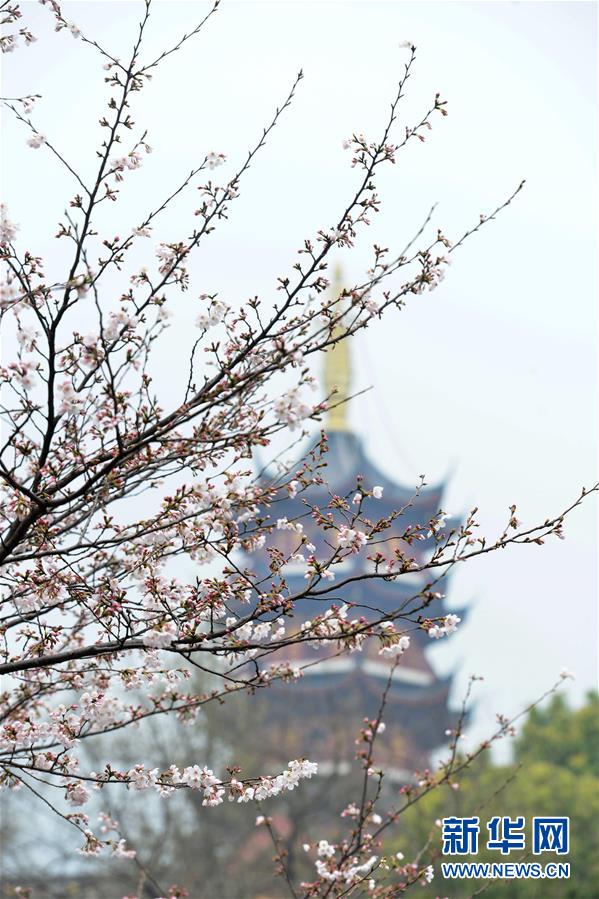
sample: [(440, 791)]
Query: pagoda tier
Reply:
[(346, 459), (319, 717), (345, 462), (340, 467), (374, 598)]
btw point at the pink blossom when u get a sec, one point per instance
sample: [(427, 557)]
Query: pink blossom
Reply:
[(36, 141), (215, 159), (8, 229)]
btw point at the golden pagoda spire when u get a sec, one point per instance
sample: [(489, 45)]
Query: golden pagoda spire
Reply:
[(337, 370)]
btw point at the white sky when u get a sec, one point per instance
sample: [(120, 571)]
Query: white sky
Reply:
[(490, 380)]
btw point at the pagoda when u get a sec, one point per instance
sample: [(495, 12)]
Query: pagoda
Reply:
[(319, 715)]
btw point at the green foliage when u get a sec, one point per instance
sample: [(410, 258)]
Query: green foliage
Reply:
[(555, 773), (562, 737)]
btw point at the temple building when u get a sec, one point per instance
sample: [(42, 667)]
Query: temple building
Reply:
[(320, 714)]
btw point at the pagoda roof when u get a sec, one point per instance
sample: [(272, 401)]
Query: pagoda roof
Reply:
[(342, 678), (346, 459)]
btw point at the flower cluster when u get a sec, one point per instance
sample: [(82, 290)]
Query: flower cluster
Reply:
[(8, 229), (449, 625), (290, 408), (194, 777), (36, 141), (352, 539), (348, 873), (130, 162), (394, 644)]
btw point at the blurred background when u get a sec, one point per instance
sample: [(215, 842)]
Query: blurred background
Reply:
[(488, 384)]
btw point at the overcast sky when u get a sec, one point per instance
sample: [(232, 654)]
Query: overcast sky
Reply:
[(489, 382)]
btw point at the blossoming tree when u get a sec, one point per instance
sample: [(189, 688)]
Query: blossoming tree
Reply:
[(95, 611)]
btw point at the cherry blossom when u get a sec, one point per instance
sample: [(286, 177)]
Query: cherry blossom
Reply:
[(291, 409), (133, 517), (449, 625), (36, 141), (352, 539), (8, 230), (215, 159)]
